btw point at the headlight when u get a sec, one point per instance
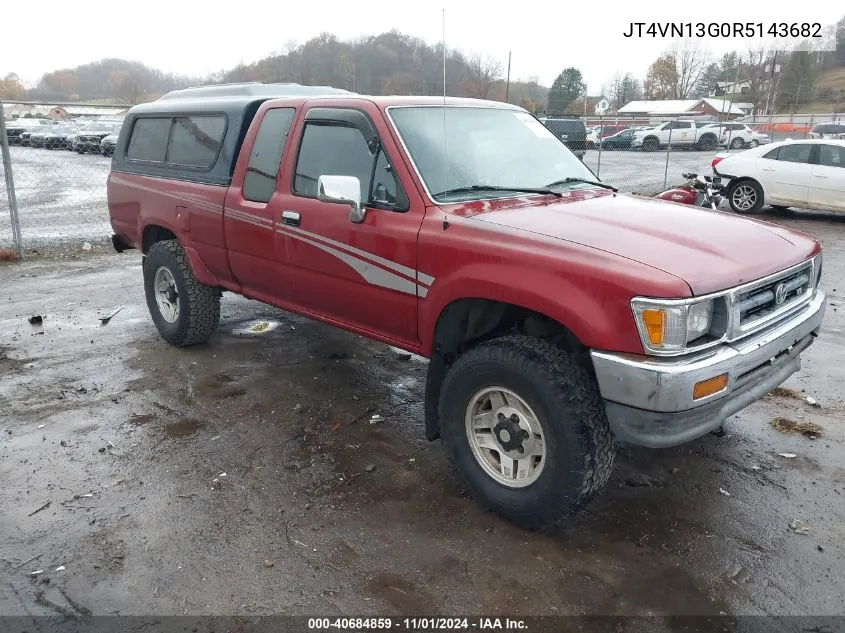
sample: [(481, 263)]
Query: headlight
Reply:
[(669, 327)]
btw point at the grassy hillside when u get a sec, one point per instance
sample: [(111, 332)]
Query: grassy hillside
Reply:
[(830, 88)]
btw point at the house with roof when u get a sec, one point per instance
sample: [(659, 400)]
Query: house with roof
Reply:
[(728, 88), (715, 108)]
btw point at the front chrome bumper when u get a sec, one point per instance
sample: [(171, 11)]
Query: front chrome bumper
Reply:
[(649, 401)]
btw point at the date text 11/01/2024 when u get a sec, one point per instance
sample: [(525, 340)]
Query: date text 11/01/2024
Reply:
[(725, 29), (417, 624)]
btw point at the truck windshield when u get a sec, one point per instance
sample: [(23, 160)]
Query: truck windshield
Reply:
[(458, 151)]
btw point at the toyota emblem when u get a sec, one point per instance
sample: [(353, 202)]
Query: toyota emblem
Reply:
[(780, 294)]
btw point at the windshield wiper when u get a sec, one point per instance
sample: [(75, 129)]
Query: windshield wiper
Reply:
[(566, 181), (473, 188)]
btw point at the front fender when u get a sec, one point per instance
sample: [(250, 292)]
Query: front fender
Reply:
[(585, 309)]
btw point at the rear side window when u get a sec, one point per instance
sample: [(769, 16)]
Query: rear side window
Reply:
[(798, 153), (149, 139), (195, 140), (832, 155), (266, 156)]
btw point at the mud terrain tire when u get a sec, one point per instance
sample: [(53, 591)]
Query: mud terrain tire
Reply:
[(198, 312), (563, 394)]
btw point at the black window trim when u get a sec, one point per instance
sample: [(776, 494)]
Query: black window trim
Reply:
[(351, 117), (173, 116), (811, 160)]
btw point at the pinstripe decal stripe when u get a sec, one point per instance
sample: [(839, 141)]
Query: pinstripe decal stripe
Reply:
[(404, 270), (372, 274), (194, 199)]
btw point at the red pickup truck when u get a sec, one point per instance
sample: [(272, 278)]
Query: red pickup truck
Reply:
[(559, 316)]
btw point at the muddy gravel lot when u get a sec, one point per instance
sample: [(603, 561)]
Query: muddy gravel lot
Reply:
[(245, 477)]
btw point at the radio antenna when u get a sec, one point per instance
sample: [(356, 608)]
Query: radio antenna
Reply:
[(443, 26)]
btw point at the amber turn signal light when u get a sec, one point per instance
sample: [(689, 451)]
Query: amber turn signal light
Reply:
[(709, 387), (653, 321)]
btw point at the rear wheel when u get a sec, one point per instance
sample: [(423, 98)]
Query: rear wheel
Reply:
[(707, 142), (524, 425), (745, 196), (754, 143), (737, 143), (184, 311)]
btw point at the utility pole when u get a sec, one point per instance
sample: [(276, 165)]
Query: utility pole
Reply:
[(770, 102), (508, 82)]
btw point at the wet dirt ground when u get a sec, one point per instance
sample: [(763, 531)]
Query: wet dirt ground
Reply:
[(245, 477)]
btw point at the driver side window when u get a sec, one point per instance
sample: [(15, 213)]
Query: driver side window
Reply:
[(331, 149)]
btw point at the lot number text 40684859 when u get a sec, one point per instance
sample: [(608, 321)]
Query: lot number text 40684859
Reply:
[(416, 624)]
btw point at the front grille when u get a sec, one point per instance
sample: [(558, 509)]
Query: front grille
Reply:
[(775, 296)]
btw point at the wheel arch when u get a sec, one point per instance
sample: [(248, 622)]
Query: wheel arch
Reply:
[(153, 233), (468, 321)]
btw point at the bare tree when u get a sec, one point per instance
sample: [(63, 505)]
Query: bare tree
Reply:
[(690, 63), (483, 73), (754, 72)]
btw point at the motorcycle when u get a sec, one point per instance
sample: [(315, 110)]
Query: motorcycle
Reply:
[(699, 191)]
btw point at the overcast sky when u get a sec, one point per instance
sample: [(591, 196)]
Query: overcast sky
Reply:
[(198, 38)]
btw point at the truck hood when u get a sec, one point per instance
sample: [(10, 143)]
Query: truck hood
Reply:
[(709, 250)]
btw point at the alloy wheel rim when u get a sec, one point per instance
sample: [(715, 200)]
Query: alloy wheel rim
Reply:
[(744, 197), (166, 294), (505, 437)]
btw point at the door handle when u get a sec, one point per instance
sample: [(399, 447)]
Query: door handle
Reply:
[(291, 218), (818, 176), (768, 169)]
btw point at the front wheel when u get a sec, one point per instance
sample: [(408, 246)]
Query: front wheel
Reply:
[(524, 425), (737, 143), (745, 196), (184, 311)]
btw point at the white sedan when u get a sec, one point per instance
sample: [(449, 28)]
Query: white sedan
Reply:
[(808, 174)]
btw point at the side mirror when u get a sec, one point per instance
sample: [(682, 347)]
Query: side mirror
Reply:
[(344, 190)]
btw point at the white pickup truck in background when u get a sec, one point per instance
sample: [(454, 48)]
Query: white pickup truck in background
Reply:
[(675, 133)]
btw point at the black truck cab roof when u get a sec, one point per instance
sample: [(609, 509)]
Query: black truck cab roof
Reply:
[(214, 119)]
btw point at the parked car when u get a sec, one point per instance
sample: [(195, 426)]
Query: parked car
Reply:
[(682, 133), (610, 130), (24, 138), (571, 131), (108, 143), (828, 130), (806, 174), (58, 138), (738, 135), (592, 139), (36, 138), (16, 128), (559, 317), (88, 139), (620, 140)]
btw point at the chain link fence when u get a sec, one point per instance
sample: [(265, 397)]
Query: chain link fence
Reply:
[(58, 163), (59, 160)]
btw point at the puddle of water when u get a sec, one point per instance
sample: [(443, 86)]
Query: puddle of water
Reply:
[(183, 428), (255, 327), (141, 419)]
